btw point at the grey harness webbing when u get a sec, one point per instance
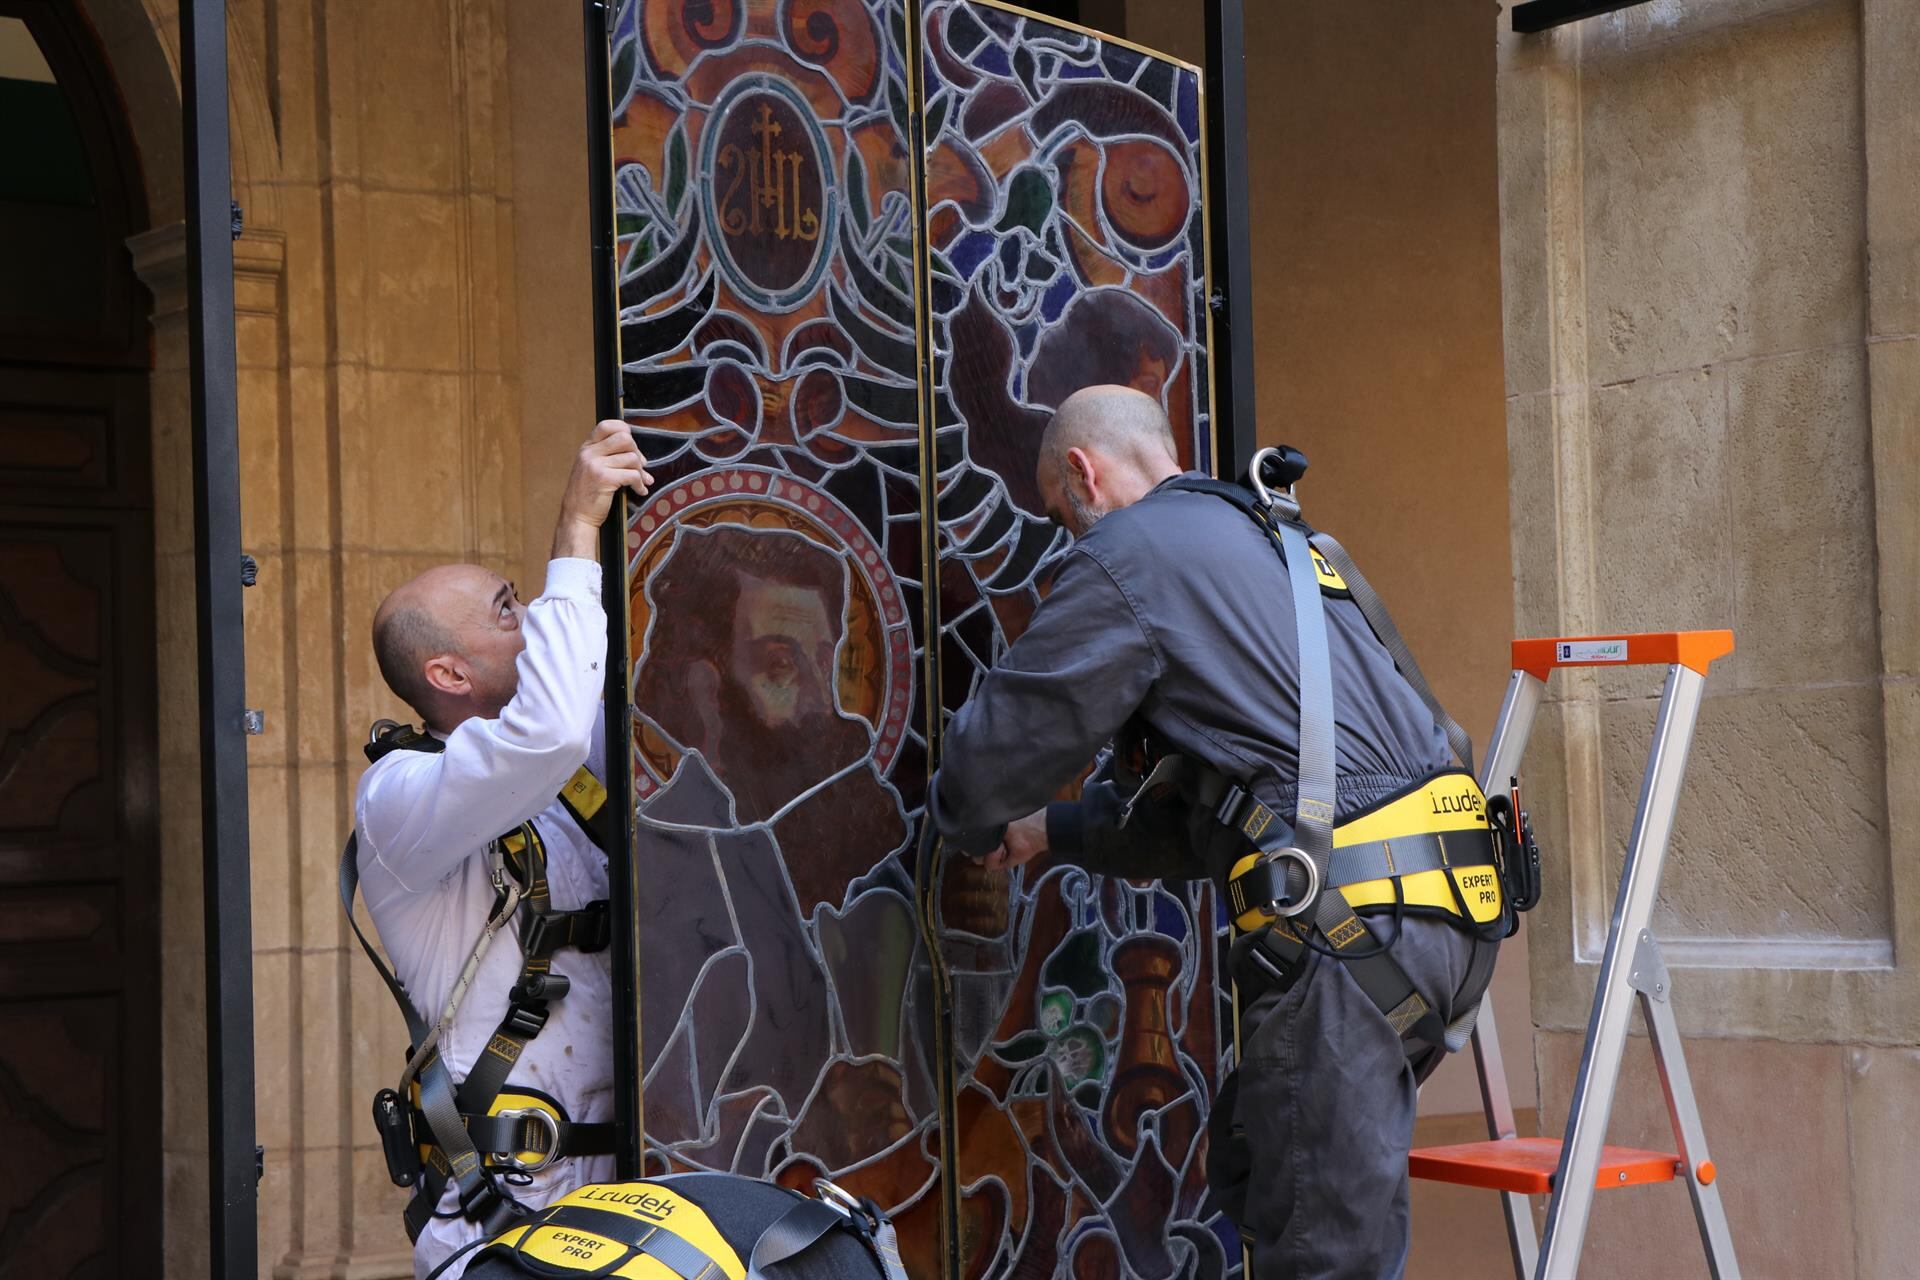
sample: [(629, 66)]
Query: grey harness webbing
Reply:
[(1281, 945), (1389, 636), (438, 1094), (1314, 805), (796, 1231)]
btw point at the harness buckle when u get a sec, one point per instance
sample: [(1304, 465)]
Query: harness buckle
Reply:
[(1227, 812), (545, 1120), (482, 1200), (592, 926), (525, 1020), (533, 935)]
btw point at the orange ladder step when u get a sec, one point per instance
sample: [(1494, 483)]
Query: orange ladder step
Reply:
[(1526, 1165)]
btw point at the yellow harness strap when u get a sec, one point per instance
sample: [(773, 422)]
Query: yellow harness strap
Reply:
[(1448, 804)]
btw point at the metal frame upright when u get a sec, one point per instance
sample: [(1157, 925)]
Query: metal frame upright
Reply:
[(212, 223), (596, 21), (1230, 238)]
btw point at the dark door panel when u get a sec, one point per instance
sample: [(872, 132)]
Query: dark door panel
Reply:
[(79, 929)]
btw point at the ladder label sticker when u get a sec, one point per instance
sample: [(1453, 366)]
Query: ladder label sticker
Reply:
[(1591, 651)]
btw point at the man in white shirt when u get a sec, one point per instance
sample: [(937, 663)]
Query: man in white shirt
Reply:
[(512, 693)]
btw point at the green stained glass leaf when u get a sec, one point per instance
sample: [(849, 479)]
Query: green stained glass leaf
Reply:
[(857, 190), (676, 170), (631, 224), (1029, 202), (896, 19), (937, 115), (623, 67), (1023, 1048), (897, 105), (896, 277), (641, 253), (1076, 965)]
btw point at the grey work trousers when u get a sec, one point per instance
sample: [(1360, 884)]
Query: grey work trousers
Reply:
[(1308, 1154)]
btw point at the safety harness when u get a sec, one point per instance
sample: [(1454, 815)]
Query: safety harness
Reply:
[(1439, 847), (478, 1133), (700, 1226)]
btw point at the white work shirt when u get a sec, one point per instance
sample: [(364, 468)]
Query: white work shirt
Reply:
[(425, 822)]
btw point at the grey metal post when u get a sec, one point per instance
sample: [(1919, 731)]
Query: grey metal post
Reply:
[(1592, 1103), (1502, 761), (1230, 238), (622, 867), (224, 722)]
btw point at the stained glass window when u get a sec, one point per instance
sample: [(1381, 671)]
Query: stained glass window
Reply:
[(838, 355)]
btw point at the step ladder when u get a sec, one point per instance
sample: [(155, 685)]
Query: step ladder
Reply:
[(1571, 1169)]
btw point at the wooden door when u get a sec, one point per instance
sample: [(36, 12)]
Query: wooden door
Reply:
[(79, 1033)]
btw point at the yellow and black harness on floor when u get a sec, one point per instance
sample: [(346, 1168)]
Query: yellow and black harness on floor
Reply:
[(692, 1226), (479, 1133)]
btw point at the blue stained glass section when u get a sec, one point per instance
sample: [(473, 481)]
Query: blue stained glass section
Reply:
[(1187, 108), (992, 58), (969, 251)]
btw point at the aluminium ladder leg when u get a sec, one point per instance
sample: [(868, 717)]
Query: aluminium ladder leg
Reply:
[(1511, 732), (1629, 941)]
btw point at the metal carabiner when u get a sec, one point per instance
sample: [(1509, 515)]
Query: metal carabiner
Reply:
[(1288, 464)]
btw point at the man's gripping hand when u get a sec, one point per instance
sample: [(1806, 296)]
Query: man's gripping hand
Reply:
[(608, 462), (1026, 839)]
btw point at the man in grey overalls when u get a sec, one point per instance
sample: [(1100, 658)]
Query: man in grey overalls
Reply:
[(1171, 623)]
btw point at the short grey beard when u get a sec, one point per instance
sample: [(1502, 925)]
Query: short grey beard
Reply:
[(1083, 515)]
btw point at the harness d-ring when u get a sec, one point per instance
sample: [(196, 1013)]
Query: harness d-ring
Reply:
[(845, 1201), (545, 1120), (1306, 900)]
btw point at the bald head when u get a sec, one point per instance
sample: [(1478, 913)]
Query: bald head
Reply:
[(1106, 448), (446, 642)]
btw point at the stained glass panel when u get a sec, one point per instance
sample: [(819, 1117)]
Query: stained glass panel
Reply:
[(1065, 235), (769, 249)]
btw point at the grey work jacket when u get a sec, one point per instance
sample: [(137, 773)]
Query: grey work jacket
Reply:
[(1175, 610)]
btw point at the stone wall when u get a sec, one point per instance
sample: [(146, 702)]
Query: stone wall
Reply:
[(1709, 236), (380, 433)]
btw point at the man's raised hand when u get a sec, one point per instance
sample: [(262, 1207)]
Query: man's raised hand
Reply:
[(608, 462)]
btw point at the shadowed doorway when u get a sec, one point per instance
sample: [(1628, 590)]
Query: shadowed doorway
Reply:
[(79, 990)]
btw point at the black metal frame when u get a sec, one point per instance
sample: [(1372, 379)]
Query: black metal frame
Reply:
[(1543, 15), (233, 1163), (1230, 237), (596, 18)]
